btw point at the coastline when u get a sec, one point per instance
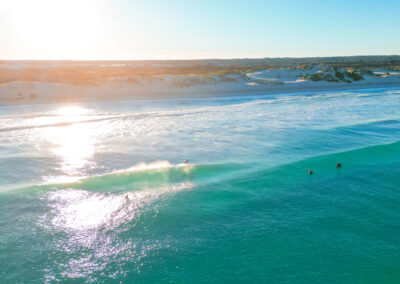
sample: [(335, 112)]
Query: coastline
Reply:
[(45, 92), (25, 82)]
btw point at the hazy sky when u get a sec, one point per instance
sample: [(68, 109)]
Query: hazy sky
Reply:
[(169, 29)]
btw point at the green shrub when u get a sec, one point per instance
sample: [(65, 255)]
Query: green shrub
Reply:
[(339, 75), (317, 77), (367, 72), (323, 77), (354, 75)]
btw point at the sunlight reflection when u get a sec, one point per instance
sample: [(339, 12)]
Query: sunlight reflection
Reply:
[(82, 210), (72, 110), (93, 222), (78, 210), (73, 144)]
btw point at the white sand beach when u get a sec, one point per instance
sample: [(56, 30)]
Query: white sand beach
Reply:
[(273, 80)]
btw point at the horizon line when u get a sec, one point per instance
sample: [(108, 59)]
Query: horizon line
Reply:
[(205, 59)]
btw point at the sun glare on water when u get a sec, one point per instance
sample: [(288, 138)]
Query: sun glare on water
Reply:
[(72, 110), (73, 142)]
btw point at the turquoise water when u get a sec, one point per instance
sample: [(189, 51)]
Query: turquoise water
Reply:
[(98, 192)]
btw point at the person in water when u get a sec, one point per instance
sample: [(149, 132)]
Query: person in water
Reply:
[(310, 172), (186, 162), (339, 165)]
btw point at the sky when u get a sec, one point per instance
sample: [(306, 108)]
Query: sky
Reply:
[(186, 29)]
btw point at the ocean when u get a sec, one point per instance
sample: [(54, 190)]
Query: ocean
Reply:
[(99, 192)]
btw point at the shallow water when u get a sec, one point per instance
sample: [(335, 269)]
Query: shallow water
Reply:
[(98, 192)]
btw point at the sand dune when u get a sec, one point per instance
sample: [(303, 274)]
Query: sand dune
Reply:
[(60, 82)]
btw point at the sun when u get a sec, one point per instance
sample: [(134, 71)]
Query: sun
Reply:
[(55, 27)]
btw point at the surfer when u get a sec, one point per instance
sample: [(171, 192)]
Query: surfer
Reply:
[(310, 172), (186, 162), (339, 165)]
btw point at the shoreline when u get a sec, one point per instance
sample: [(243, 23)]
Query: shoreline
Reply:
[(82, 94)]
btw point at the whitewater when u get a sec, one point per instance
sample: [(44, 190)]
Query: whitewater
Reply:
[(98, 192)]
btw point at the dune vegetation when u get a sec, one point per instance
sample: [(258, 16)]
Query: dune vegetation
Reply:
[(98, 72)]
